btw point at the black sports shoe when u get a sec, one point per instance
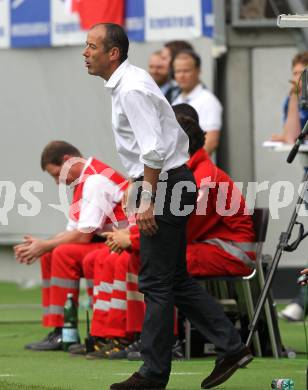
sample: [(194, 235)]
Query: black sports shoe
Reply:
[(81, 349), (52, 342), (103, 351), (124, 353), (77, 350), (138, 382), (226, 367)]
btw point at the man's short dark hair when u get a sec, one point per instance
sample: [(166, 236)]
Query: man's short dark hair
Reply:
[(300, 58), (196, 58), (188, 119), (54, 152), (177, 46), (115, 37)]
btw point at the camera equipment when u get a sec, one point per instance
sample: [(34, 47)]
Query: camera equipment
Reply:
[(302, 278), (303, 98), (299, 21), (282, 246)]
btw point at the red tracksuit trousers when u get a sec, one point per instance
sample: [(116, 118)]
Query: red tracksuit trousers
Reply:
[(110, 301), (61, 271), (202, 259)]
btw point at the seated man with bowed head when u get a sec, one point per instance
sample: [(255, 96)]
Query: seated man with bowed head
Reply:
[(220, 234), (95, 208)]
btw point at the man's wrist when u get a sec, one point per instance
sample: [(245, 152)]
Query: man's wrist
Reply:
[(146, 196)]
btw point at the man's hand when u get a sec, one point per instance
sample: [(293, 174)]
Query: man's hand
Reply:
[(145, 218), (304, 272), (118, 240), (29, 251), (124, 199), (129, 199)]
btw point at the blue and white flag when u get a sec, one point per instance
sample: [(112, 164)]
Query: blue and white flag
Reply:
[(30, 23), (44, 23), (4, 24), (161, 20)]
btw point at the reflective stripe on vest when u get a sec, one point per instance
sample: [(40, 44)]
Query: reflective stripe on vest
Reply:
[(53, 309), (119, 285), (118, 304), (236, 249), (65, 283), (106, 287), (135, 296), (95, 290), (46, 283), (101, 305), (131, 278)]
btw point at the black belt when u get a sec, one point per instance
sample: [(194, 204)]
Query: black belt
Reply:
[(172, 171)]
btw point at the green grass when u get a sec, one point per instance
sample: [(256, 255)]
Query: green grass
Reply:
[(22, 370)]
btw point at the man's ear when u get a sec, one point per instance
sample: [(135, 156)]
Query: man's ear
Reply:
[(66, 157), (114, 54)]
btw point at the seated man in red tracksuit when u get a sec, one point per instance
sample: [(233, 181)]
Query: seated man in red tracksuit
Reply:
[(220, 236), (118, 306), (95, 208)]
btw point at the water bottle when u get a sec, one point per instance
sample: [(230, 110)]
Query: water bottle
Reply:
[(283, 384), (70, 334)]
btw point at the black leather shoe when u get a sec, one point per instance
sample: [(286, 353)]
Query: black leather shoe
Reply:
[(52, 342), (226, 367), (138, 382)]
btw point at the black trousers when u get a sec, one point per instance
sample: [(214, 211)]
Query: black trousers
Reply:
[(164, 281)]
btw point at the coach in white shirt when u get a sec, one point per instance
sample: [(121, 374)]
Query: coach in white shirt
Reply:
[(186, 67), (150, 141)]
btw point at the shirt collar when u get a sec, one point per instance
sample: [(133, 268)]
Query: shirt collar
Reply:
[(117, 75), (165, 87), (193, 93)]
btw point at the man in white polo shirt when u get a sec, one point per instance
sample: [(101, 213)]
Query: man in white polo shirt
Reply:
[(154, 149), (186, 66)]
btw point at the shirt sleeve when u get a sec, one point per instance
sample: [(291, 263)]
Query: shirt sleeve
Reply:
[(99, 197), (211, 115), (144, 119), (71, 225)]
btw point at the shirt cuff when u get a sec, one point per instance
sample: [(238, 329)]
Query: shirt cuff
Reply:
[(151, 163)]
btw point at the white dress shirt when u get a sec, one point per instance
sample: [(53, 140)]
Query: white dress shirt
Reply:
[(145, 128), (207, 106)]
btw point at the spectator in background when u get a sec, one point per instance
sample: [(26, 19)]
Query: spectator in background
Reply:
[(168, 52), (294, 117), (159, 70), (171, 49), (187, 65)]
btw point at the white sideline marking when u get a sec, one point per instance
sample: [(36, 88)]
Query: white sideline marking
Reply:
[(186, 373), (2, 375), (172, 373)]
